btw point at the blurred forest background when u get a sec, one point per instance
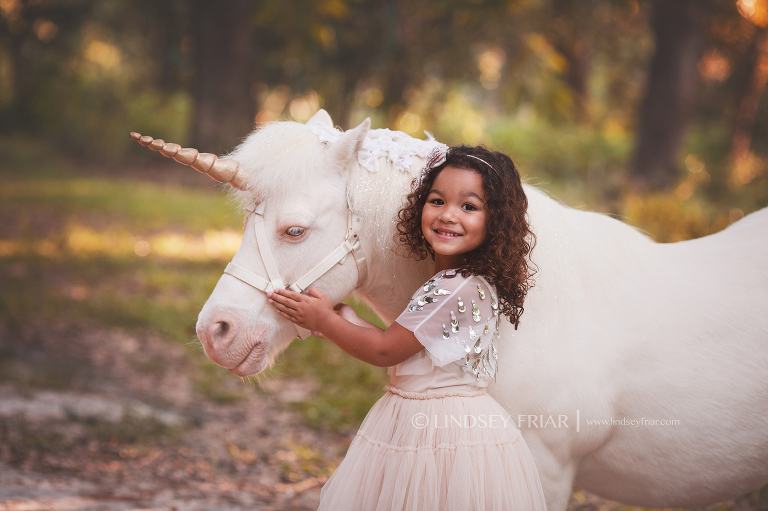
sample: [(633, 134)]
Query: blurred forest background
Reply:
[(667, 94), (652, 111)]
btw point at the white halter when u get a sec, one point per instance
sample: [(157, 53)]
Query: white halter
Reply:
[(351, 243)]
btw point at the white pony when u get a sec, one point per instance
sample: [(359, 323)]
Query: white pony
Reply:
[(639, 371)]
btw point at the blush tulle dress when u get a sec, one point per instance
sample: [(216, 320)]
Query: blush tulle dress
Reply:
[(436, 440)]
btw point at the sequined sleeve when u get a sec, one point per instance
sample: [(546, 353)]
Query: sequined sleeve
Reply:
[(452, 317)]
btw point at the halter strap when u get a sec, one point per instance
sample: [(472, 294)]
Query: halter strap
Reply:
[(262, 242), (249, 278), (351, 244)]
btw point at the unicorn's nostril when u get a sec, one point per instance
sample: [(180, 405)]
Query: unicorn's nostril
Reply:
[(220, 334), (222, 327)]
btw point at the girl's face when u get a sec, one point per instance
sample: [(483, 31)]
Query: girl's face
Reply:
[(454, 216)]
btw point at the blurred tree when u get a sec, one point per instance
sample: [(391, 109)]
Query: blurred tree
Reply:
[(36, 37), (572, 40), (671, 93), (224, 49), (750, 100), (343, 48)]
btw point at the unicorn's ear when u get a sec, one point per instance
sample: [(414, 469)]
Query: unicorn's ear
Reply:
[(345, 149), (322, 118)]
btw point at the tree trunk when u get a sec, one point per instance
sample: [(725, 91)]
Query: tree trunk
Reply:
[(571, 44), (577, 53), (750, 101), (671, 92), (225, 109), (19, 116)]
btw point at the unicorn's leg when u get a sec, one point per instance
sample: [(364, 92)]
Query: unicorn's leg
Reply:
[(555, 474)]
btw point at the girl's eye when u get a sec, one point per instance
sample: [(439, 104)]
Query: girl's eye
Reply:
[(437, 202), (294, 231), (469, 207)]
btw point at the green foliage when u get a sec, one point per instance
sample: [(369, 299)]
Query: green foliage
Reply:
[(119, 202), (93, 118), (571, 151), (84, 74)]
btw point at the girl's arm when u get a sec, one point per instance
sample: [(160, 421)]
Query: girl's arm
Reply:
[(313, 311)]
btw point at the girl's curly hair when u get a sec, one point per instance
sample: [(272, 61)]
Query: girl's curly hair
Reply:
[(504, 257)]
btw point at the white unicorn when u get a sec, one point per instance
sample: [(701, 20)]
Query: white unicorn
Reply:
[(639, 371)]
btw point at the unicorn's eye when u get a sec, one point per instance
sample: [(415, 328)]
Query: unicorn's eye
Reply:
[(294, 231)]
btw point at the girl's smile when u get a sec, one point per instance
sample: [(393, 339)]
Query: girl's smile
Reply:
[(444, 233), (454, 217)]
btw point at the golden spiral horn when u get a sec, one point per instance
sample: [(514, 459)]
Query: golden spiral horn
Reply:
[(222, 170)]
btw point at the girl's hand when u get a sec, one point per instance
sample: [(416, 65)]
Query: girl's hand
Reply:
[(308, 311)]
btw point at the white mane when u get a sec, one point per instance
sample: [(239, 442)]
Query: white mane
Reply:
[(278, 158)]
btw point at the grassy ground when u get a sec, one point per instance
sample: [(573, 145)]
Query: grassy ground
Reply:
[(136, 254)]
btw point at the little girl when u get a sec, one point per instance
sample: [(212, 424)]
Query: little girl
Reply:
[(436, 440)]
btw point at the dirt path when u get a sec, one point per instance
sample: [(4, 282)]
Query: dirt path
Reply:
[(126, 430)]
